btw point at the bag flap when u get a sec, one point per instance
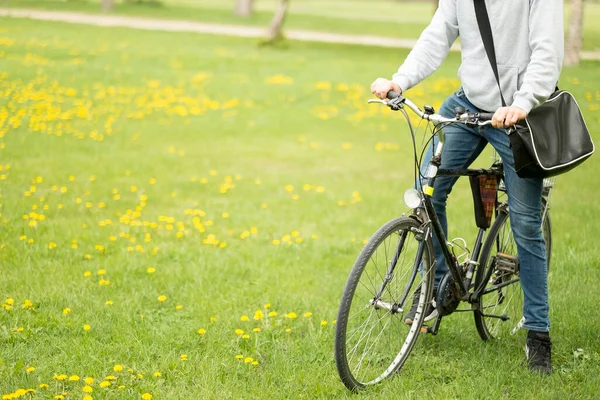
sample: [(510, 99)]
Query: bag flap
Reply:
[(555, 132)]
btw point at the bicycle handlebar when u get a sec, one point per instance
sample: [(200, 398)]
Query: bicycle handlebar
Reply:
[(397, 102)]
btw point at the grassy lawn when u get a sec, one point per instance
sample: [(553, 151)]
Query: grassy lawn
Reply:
[(397, 19), (179, 213)]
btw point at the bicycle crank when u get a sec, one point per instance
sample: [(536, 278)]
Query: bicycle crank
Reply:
[(447, 298)]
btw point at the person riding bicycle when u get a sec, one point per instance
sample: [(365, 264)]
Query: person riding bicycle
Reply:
[(529, 39)]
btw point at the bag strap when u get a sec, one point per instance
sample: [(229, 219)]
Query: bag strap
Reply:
[(483, 21)]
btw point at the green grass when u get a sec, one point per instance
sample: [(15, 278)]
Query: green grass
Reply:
[(131, 137), (397, 19)]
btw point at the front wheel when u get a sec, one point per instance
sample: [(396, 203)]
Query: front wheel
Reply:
[(371, 340), (499, 309)]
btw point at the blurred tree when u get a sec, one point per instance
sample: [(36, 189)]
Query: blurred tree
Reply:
[(108, 5), (275, 31), (574, 34), (243, 8)]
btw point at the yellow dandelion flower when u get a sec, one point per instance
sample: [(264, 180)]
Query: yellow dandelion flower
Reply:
[(89, 380), (184, 357), (87, 389), (101, 272), (118, 368), (67, 311), (27, 304), (272, 313), (279, 80), (146, 396), (255, 363), (307, 314), (74, 378), (239, 356), (291, 315), (30, 369), (157, 374), (43, 386), (104, 384), (248, 360), (323, 323), (201, 331), (109, 303), (87, 397), (239, 332), (289, 188), (151, 270), (256, 330), (213, 319), (87, 274), (288, 330), (276, 242), (244, 318), (267, 306), (245, 336), (178, 307), (258, 315), (162, 298)]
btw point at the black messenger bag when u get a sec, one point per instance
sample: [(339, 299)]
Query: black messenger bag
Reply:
[(554, 138)]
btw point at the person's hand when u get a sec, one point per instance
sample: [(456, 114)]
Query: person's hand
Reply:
[(381, 87), (505, 117)]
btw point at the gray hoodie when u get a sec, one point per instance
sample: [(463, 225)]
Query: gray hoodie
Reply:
[(529, 44)]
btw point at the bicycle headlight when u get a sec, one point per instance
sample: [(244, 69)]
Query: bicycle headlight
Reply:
[(412, 198)]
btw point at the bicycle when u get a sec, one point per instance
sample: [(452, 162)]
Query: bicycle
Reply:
[(398, 263)]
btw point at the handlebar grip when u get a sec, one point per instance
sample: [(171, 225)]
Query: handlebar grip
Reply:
[(392, 95), (485, 116)]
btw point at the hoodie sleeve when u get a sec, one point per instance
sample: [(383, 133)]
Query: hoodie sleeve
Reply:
[(546, 40), (432, 47)]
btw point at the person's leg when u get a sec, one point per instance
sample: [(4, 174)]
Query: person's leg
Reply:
[(525, 208), (461, 147)]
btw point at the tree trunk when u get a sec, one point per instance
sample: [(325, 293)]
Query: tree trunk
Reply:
[(243, 8), (574, 34), (275, 31), (108, 5)]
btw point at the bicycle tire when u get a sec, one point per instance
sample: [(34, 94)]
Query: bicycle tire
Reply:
[(508, 300), (362, 357)]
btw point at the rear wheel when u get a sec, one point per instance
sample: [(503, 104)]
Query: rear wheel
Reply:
[(500, 307), (371, 340)]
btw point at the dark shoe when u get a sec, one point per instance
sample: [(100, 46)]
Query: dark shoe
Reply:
[(430, 311), (538, 350)]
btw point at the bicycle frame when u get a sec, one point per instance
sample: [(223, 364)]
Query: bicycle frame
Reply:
[(428, 217), (432, 219)]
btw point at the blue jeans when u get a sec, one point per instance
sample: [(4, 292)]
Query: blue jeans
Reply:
[(462, 146)]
